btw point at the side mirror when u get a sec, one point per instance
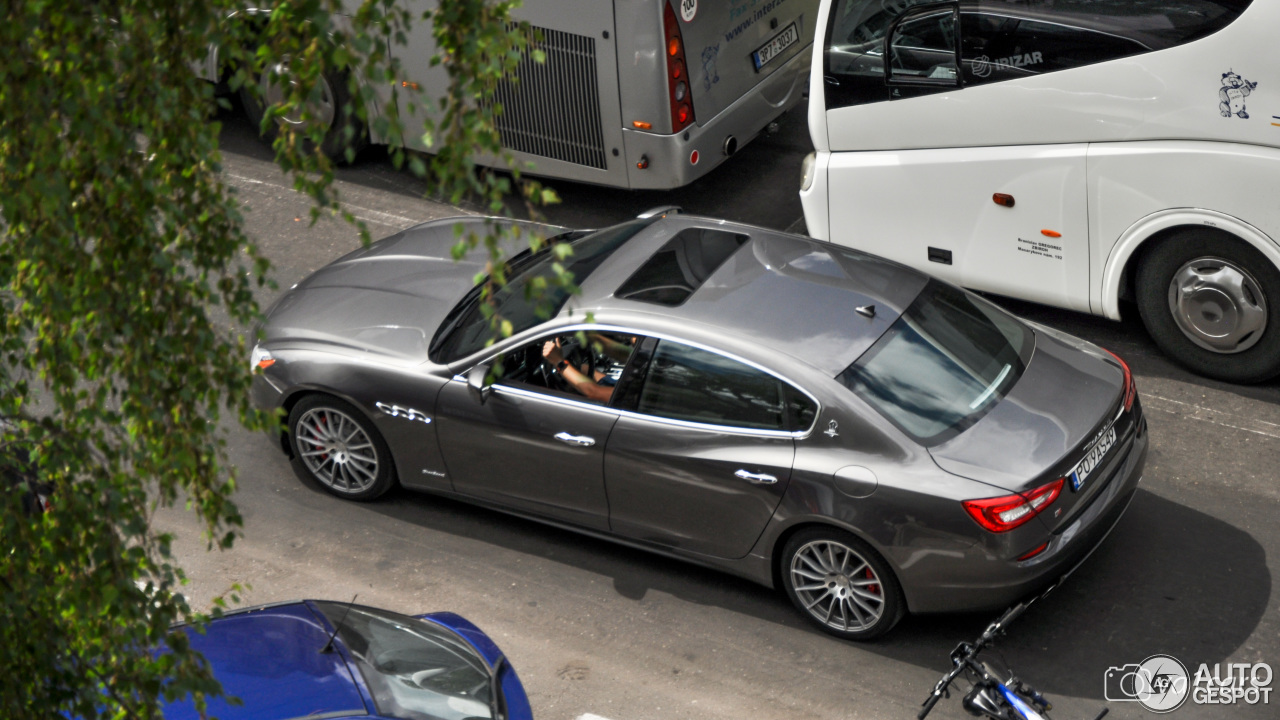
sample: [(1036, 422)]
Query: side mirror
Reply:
[(478, 381)]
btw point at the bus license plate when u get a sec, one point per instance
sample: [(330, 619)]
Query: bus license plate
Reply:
[(1093, 458), (772, 49)]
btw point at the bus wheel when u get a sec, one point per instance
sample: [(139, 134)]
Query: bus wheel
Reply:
[(334, 111), (1212, 303)]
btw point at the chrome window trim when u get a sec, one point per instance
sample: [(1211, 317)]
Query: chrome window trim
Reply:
[(796, 434)]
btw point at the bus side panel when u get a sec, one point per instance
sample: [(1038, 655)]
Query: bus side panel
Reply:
[(1135, 180), (563, 116), (918, 206)]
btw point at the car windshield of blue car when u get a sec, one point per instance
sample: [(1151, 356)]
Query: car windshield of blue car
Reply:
[(466, 329), (943, 364), (414, 669)]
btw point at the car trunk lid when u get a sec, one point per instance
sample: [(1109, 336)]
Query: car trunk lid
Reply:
[(1063, 415)]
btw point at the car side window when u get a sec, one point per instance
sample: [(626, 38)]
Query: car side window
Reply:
[(682, 382), (583, 366)]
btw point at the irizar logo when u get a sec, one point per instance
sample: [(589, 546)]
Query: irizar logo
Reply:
[(983, 65)]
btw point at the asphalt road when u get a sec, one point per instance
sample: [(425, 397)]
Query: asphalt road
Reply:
[(596, 629)]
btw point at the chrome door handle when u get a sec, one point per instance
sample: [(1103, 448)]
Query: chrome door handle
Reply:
[(757, 478), (580, 440)]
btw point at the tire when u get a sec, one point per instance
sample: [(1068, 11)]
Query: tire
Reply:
[(841, 584), (340, 449), (1212, 303), (336, 109)]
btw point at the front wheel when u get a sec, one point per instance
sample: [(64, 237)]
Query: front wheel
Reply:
[(340, 449), (840, 584), (1212, 303)]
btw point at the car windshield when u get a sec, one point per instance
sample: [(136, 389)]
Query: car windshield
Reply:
[(943, 364), (414, 669), (466, 329)]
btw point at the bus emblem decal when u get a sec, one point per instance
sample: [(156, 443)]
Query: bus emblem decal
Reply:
[(1232, 94)]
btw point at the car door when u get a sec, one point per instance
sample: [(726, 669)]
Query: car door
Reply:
[(532, 444), (704, 455)]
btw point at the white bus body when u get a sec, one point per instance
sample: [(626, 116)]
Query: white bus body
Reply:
[(603, 108), (1135, 146)]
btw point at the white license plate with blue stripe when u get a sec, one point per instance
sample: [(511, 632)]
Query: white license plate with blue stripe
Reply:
[(1092, 459)]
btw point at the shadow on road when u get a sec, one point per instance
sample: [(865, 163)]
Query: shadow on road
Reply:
[(1165, 576), (760, 184)]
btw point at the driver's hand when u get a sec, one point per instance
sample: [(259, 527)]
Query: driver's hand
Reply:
[(551, 351)]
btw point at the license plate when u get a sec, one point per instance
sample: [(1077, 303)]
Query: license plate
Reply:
[(1093, 458), (772, 49)]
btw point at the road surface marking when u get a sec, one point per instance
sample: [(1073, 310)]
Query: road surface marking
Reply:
[(1217, 417)]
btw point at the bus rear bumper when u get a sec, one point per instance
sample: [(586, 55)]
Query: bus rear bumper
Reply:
[(670, 158)]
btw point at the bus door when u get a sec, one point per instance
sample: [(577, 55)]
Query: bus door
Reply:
[(959, 203)]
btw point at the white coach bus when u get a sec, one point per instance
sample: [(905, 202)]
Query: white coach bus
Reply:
[(633, 94), (1069, 152)]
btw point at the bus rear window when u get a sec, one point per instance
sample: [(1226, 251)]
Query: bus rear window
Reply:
[(943, 364)]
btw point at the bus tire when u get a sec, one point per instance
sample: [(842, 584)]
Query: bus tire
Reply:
[(344, 130), (1212, 303)]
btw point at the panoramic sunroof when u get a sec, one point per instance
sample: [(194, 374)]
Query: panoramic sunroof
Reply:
[(681, 266)]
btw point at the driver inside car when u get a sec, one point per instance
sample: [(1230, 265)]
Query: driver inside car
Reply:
[(593, 371)]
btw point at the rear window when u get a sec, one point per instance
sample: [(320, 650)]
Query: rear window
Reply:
[(943, 364)]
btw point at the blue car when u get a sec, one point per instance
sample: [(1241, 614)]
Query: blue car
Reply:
[(316, 659)]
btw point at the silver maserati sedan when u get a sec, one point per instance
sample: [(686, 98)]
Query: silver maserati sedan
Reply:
[(801, 414)]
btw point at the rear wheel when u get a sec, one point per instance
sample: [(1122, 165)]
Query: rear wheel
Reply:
[(334, 111), (340, 449), (840, 584), (1212, 303)]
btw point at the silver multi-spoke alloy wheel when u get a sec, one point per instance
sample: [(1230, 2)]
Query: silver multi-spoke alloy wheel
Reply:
[(336, 450), (1217, 305), (837, 586)]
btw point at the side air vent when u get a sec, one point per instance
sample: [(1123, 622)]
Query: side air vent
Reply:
[(553, 110)]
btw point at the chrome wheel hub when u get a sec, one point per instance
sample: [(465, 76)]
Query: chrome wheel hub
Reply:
[(837, 586), (336, 450), (277, 83), (1217, 305)]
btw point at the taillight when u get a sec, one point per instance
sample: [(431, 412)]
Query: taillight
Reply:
[(1002, 514), (677, 78), (1130, 388)]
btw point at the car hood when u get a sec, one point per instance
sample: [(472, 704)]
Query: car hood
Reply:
[(270, 658), (1068, 390), (388, 298)]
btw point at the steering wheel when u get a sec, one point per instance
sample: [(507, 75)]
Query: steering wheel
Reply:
[(573, 351)]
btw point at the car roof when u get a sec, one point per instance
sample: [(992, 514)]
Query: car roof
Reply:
[(791, 293)]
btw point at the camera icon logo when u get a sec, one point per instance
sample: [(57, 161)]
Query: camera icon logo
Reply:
[(1160, 683)]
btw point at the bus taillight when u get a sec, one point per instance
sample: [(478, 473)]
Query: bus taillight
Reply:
[(677, 79)]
